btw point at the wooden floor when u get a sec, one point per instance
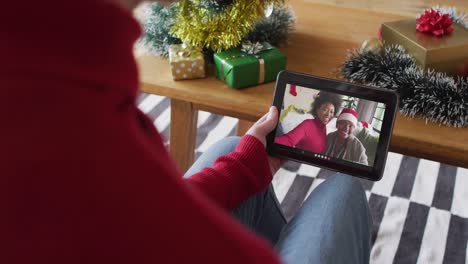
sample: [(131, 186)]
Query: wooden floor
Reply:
[(400, 7)]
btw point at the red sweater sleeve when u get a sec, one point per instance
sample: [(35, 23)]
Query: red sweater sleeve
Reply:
[(293, 137), (235, 177)]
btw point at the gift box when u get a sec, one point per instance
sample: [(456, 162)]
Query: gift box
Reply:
[(186, 63), (251, 64), (442, 53)]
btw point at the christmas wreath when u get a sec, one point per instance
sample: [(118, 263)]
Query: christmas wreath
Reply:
[(435, 96)]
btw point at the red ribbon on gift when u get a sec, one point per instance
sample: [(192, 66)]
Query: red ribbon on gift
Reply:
[(434, 22)]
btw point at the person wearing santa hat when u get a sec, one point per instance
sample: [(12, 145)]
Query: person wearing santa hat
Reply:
[(342, 143)]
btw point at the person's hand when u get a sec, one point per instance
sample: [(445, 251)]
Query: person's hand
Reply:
[(261, 129)]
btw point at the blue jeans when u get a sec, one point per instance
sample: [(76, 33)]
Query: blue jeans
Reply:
[(333, 225)]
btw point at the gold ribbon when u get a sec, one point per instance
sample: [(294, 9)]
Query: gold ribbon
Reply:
[(182, 51), (185, 53), (261, 74), (254, 49)]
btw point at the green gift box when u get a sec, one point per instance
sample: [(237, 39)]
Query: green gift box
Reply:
[(252, 64), (444, 53)]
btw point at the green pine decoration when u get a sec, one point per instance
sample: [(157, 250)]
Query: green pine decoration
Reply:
[(274, 29), (157, 37), (351, 103), (215, 6)]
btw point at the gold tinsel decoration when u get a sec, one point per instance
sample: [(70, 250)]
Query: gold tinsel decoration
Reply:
[(200, 28)]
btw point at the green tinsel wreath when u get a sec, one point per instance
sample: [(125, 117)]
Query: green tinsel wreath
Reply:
[(433, 95), (198, 27)]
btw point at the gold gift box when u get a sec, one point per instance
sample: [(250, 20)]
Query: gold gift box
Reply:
[(186, 63), (445, 53)]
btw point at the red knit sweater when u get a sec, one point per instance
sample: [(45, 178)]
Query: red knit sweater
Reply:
[(85, 177), (310, 135)]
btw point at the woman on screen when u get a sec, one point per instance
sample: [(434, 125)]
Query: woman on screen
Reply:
[(311, 134), (342, 144)]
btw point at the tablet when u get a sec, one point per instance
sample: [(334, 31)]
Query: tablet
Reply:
[(332, 124)]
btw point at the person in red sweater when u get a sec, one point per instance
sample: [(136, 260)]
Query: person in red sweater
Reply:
[(311, 134), (85, 177)]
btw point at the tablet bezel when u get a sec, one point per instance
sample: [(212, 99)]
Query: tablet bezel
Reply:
[(388, 97)]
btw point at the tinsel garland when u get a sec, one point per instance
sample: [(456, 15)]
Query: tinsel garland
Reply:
[(197, 26), (215, 6), (274, 29), (434, 95)]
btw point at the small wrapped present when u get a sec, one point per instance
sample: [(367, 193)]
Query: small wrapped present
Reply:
[(253, 64), (186, 63), (438, 50)]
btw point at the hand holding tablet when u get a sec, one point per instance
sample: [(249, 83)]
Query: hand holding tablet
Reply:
[(332, 124)]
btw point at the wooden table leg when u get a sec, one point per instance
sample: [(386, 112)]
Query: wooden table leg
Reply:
[(242, 127), (183, 133)]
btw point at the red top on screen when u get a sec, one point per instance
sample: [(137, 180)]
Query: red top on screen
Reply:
[(310, 135)]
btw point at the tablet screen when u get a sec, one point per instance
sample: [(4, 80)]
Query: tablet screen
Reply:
[(330, 126)]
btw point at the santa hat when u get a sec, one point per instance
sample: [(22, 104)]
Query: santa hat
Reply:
[(365, 124), (349, 115)]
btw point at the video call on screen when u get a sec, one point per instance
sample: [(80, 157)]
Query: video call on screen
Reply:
[(330, 126)]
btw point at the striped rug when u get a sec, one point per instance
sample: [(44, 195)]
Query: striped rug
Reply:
[(419, 208)]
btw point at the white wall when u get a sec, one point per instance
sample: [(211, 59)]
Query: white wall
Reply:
[(303, 100)]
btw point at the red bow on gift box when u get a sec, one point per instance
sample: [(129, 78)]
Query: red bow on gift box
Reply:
[(434, 22)]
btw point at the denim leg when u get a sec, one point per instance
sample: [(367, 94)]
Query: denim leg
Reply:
[(261, 212), (333, 225), (220, 148)]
